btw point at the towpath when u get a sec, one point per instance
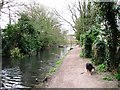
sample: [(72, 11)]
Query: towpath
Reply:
[(72, 74)]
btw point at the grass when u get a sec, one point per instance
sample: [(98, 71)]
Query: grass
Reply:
[(101, 68), (57, 64), (53, 69), (81, 54), (108, 78)]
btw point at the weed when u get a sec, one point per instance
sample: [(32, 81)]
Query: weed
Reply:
[(101, 68), (117, 76), (81, 54), (108, 78), (58, 62)]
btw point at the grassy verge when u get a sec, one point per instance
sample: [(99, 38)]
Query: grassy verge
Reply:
[(81, 54), (57, 65), (108, 78)]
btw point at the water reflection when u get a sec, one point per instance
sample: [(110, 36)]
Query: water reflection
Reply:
[(23, 73)]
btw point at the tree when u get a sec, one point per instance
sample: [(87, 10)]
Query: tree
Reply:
[(36, 29), (46, 23), (19, 35), (83, 16), (109, 16)]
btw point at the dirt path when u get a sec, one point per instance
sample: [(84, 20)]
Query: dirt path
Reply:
[(69, 74)]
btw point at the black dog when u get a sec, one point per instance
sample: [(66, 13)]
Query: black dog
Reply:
[(89, 68)]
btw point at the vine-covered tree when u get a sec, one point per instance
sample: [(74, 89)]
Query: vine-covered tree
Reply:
[(109, 14)]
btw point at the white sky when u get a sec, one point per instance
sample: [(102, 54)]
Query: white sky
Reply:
[(59, 5)]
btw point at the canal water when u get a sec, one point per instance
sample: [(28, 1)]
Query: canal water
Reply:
[(23, 73)]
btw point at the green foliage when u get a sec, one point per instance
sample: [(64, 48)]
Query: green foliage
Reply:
[(27, 35), (46, 25), (8, 39), (81, 53), (19, 35), (52, 70), (15, 53), (106, 48), (87, 46), (98, 52), (109, 14), (25, 25), (34, 30), (87, 39), (86, 19), (117, 76), (101, 67), (82, 38), (58, 62), (94, 32), (108, 78)]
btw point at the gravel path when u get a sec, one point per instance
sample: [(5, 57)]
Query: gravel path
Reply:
[(70, 74)]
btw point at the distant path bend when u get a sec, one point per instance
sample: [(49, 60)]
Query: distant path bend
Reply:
[(69, 74)]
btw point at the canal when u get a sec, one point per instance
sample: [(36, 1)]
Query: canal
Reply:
[(23, 73)]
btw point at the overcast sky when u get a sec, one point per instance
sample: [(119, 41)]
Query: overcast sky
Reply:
[(59, 5)]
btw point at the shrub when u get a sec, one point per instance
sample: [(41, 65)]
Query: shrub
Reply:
[(101, 68), (87, 40), (82, 38), (94, 32), (98, 52), (117, 76), (108, 78), (15, 53), (87, 46), (82, 53)]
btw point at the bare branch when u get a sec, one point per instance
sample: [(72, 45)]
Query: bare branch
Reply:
[(63, 19), (72, 13), (79, 8), (1, 4)]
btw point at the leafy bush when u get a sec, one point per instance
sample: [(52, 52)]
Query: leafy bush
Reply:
[(94, 32), (82, 53), (82, 38), (15, 53), (108, 78), (87, 39), (101, 68), (117, 76), (98, 52), (87, 46)]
